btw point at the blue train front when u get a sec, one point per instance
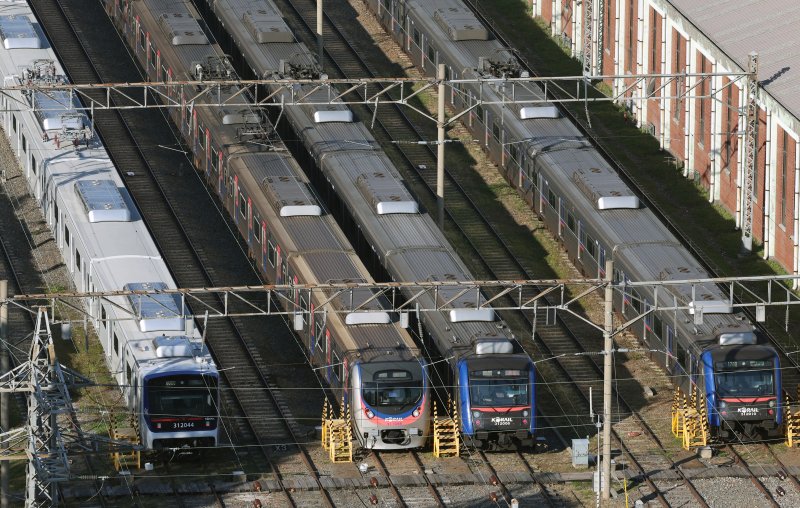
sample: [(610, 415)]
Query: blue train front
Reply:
[(390, 404), (496, 401), (742, 384)]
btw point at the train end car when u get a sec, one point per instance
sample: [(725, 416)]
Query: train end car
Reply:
[(496, 395), (179, 397), (742, 385), (390, 402)]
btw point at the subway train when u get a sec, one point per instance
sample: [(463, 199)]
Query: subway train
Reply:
[(481, 365), (595, 215), (154, 352), (357, 345)]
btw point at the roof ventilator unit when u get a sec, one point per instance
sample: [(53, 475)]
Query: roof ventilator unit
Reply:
[(266, 25), (18, 33), (493, 347), (367, 318), (289, 70), (385, 194), (174, 347), (335, 115), (460, 24), (711, 307), (156, 312), (604, 188), (737, 338), (533, 112), (291, 197), (182, 29), (102, 201), (467, 315)]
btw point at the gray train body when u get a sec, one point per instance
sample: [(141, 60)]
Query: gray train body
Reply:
[(594, 214), (406, 241), (356, 344)]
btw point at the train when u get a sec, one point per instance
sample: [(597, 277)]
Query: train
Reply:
[(154, 352), (595, 215), (368, 360), (482, 367)]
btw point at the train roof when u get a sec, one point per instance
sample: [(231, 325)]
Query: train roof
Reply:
[(309, 237), (107, 232)]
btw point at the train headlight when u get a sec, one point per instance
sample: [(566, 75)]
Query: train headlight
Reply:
[(723, 404), (415, 413), (772, 403), (525, 413), (476, 414), (369, 414)]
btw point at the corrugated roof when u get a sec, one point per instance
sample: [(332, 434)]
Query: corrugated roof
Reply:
[(768, 27)]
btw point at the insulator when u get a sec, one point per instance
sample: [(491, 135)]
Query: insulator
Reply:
[(256, 503), (373, 499), (257, 486)]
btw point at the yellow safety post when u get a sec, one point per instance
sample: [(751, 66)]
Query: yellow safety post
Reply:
[(125, 460), (677, 414), (340, 438), (446, 441), (326, 417)]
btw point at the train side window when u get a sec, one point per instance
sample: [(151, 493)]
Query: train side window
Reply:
[(552, 199), (78, 260), (636, 302), (14, 122), (24, 144), (591, 246), (431, 54), (230, 186), (271, 252), (66, 235), (102, 313), (320, 335), (657, 326), (242, 205), (496, 131), (257, 222), (128, 372), (116, 344), (33, 165), (571, 221), (304, 308), (337, 366), (416, 38)]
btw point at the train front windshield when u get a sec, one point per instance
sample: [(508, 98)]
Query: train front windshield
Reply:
[(745, 378), (392, 388), (187, 395), (499, 388)]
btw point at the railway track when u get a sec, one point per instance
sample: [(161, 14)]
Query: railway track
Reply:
[(556, 340), (196, 241)]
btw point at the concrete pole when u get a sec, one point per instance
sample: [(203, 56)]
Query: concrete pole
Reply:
[(608, 344), (440, 148), (319, 33), (5, 366)]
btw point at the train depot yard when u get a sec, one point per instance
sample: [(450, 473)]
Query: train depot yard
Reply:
[(281, 253)]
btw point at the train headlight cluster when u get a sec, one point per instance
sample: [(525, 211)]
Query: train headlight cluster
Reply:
[(369, 414), (476, 418), (723, 404), (525, 413), (772, 403), (415, 413)]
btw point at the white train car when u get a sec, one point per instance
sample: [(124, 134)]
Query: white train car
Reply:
[(155, 354)]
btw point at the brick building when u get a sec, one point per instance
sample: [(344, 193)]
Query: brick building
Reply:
[(705, 135)]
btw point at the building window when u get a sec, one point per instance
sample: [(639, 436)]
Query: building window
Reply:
[(676, 113), (784, 170), (653, 41), (607, 26), (631, 37), (730, 133), (704, 90)]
